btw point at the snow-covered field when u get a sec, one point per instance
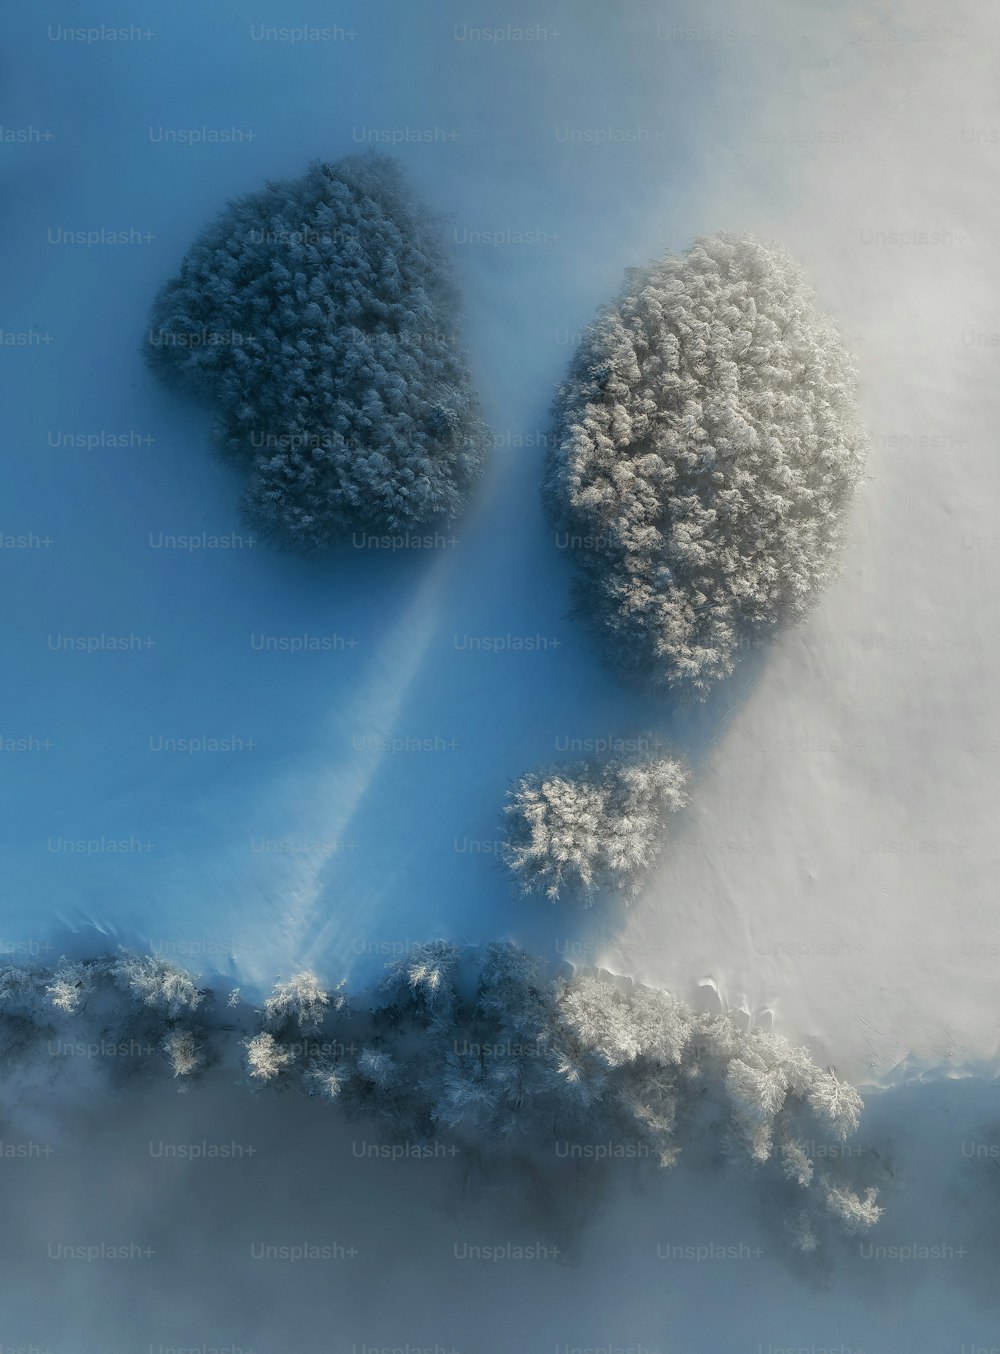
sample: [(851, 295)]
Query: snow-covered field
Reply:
[(837, 865), (836, 871), (840, 866)]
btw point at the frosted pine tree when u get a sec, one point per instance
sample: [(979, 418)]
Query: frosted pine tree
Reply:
[(68, 986), (302, 1002), (184, 1054), (153, 981), (264, 1058), (855, 1212)]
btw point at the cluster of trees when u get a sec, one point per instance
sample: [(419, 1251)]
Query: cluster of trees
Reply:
[(706, 451), (493, 1049), (109, 1012), (487, 1047), (589, 826), (320, 319)]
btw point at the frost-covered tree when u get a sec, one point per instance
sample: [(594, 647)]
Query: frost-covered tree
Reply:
[(796, 1162), (68, 985), (835, 1103), (802, 1231), (377, 1067), (586, 827), (319, 317), (301, 1001), (324, 1077), (184, 1053), (706, 453), (154, 982), (414, 1023), (420, 987), (518, 1056), (757, 1085), (855, 1212), (24, 991), (26, 1010), (620, 1024), (499, 1070), (264, 1057)]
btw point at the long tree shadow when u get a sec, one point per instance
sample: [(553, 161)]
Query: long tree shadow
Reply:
[(506, 681)]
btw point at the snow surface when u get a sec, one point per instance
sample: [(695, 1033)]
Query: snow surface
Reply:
[(837, 866)]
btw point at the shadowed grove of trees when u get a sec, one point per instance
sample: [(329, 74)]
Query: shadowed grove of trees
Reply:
[(487, 1049), (320, 320)]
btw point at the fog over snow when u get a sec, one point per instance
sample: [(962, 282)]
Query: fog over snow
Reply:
[(591, 1256)]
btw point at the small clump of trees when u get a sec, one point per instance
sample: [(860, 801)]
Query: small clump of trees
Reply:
[(116, 1011), (590, 826)]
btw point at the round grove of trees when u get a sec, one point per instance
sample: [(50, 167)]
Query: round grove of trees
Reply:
[(706, 452), (319, 317)]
